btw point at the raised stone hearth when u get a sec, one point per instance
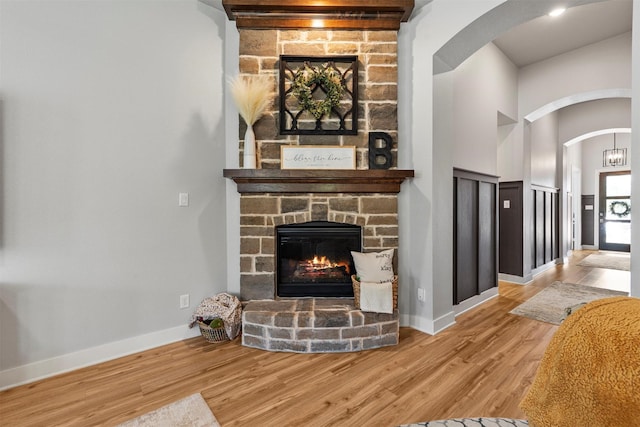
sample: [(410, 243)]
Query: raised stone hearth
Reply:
[(316, 325)]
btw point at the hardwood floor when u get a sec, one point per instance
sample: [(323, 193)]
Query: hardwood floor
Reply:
[(482, 366), (616, 280)]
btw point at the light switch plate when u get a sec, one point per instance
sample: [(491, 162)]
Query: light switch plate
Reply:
[(184, 301)]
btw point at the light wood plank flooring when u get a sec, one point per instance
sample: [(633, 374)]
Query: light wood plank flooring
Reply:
[(482, 366)]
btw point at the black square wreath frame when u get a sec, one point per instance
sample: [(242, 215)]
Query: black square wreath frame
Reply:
[(342, 118)]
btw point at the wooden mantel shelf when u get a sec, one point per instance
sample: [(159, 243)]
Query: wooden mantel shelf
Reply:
[(325, 14), (318, 181)]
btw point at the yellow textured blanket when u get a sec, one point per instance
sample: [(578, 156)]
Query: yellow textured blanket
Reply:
[(590, 373)]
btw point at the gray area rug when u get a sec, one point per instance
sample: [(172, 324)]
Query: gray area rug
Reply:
[(551, 304), (613, 261), (191, 411), (472, 422)]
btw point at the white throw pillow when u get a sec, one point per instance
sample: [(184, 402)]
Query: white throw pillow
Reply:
[(374, 266)]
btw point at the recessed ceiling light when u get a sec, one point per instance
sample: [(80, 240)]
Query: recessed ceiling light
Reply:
[(557, 12)]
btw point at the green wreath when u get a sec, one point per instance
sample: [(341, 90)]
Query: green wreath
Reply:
[(620, 209), (305, 82)]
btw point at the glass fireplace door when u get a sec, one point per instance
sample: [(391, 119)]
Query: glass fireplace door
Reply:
[(314, 259)]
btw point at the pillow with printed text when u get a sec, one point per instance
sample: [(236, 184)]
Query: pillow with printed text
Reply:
[(374, 266)]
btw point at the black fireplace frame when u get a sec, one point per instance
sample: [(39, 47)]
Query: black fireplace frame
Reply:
[(316, 289)]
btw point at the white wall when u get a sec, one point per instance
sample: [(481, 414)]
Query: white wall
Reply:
[(426, 202), (598, 67), (573, 179), (579, 124), (573, 159), (635, 157), (600, 70), (544, 146), (109, 110), (510, 149), (592, 149), (579, 120), (485, 84)]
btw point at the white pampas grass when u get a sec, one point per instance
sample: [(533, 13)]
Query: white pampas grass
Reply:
[(252, 95)]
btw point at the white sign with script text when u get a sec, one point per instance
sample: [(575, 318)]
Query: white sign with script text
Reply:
[(317, 157)]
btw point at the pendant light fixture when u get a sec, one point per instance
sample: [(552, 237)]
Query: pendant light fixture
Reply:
[(614, 157)]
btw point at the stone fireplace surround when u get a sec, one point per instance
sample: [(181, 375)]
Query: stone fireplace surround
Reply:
[(271, 196), (311, 325), (268, 198), (377, 214), (377, 54)]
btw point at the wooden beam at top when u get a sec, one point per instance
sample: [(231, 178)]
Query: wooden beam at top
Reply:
[(324, 14)]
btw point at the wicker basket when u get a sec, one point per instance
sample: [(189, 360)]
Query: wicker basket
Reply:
[(356, 291), (213, 334)]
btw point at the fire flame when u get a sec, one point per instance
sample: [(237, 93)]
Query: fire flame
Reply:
[(323, 263)]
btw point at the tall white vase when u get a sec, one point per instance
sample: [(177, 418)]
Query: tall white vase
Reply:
[(249, 157)]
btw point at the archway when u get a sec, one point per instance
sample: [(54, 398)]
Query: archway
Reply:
[(460, 49)]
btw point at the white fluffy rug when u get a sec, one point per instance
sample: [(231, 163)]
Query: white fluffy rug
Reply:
[(550, 304), (191, 411), (615, 261)]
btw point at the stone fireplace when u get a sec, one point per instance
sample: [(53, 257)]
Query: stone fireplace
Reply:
[(274, 199), (366, 200), (376, 214)]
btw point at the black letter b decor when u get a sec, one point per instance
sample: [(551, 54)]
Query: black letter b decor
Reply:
[(380, 150)]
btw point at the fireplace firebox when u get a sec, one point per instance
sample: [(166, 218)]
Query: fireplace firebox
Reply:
[(313, 259)]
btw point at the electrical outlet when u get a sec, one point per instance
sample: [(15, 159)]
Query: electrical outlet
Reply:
[(183, 199), (184, 301), (421, 294)]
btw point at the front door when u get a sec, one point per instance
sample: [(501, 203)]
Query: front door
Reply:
[(615, 211)]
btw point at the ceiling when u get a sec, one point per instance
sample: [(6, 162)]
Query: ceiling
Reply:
[(579, 26), (545, 37)]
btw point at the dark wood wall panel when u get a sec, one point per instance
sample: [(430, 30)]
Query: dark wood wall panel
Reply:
[(466, 239), (511, 231), (475, 234), (543, 227), (486, 236), (548, 227), (588, 217), (556, 229), (539, 227), (546, 214)]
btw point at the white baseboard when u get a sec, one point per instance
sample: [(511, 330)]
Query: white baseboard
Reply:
[(475, 301), (518, 280), (428, 326), (544, 268), (68, 362)]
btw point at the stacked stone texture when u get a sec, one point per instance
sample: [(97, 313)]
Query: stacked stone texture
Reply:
[(315, 326), (377, 53), (377, 214)]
